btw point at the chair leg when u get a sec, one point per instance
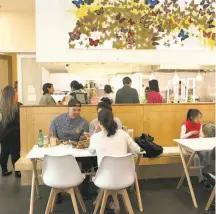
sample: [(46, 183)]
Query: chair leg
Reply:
[(49, 204), (98, 201), (126, 201), (79, 197), (74, 202), (104, 201), (53, 200), (210, 199), (138, 195)]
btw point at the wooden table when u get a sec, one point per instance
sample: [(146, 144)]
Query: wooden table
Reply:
[(193, 146), (37, 154)]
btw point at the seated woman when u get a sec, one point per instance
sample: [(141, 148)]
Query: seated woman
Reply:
[(108, 93), (105, 104), (192, 128), (47, 99), (111, 141), (154, 95)]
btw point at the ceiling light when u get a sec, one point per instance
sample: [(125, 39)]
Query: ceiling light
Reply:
[(175, 78), (199, 77), (152, 77)]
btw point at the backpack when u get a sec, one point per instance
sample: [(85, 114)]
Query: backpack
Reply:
[(80, 96), (146, 142)]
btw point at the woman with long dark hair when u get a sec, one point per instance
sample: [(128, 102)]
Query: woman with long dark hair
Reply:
[(104, 104), (47, 99), (154, 95), (10, 125), (111, 141)]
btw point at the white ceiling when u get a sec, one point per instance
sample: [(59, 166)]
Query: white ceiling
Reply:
[(17, 5)]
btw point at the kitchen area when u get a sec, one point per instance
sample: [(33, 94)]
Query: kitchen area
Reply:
[(179, 85)]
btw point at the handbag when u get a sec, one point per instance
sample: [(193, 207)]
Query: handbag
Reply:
[(146, 142)]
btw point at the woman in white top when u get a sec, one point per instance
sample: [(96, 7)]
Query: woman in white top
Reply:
[(111, 141), (109, 93)]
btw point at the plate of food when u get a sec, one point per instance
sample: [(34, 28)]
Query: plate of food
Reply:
[(82, 144)]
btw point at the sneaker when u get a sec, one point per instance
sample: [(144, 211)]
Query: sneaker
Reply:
[(7, 173), (18, 174)]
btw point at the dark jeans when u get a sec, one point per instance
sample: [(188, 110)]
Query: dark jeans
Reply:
[(87, 164), (10, 147)]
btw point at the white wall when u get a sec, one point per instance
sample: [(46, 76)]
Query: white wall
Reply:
[(205, 88), (17, 32), (52, 43)]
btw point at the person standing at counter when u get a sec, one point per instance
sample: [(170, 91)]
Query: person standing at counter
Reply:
[(77, 92), (9, 130), (154, 95), (47, 99), (108, 93), (127, 94)]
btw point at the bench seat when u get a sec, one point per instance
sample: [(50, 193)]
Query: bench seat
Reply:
[(170, 155)]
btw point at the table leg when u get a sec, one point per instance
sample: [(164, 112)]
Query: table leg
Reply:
[(210, 200), (31, 209), (188, 166), (34, 163), (188, 177)]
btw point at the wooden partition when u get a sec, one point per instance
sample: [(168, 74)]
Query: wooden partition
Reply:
[(163, 121)]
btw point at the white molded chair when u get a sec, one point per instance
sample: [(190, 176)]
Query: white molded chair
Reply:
[(114, 175), (212, 196), (63, 174)]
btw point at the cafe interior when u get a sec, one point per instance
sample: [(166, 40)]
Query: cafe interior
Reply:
[(52, 42)]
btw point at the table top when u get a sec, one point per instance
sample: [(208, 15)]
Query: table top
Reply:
[(60, 150), (197, 144)]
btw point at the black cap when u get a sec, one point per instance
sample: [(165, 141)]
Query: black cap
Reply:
[(74, 103)]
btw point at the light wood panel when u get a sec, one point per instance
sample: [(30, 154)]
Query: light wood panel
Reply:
[(161, 121)]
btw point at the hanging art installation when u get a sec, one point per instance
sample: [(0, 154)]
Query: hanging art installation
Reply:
[(140, 24)]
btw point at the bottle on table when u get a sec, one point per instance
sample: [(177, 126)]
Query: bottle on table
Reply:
[(40, 138), (46, 142)]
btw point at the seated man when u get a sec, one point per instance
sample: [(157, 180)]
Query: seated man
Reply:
[(71, 126)]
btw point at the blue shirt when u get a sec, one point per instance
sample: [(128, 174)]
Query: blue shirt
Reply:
[(65, 128)]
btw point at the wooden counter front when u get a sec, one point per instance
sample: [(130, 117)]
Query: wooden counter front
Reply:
[(163, 121)]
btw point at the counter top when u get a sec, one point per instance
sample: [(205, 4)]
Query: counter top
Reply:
[(148, 104)]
